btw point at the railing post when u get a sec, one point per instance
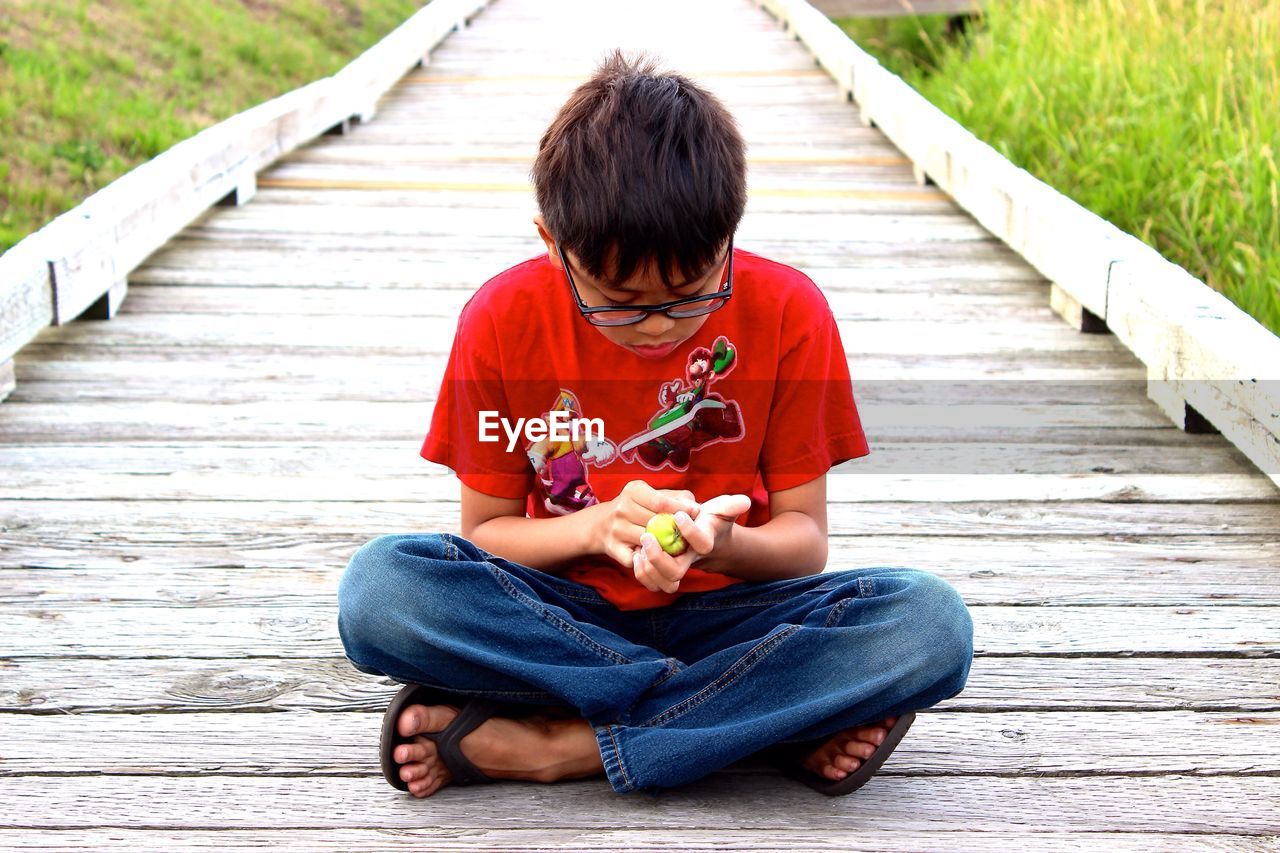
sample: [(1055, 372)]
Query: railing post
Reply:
[(1165, 394), (246, 187), (7, 380), (1077, 316), (109, 303)]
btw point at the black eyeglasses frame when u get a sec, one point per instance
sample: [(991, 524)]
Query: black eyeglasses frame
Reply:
[(724, 293)]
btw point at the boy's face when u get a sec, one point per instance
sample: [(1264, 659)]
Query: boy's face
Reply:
[(660, 333)]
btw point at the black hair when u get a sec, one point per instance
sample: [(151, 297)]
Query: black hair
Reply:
[(644, 165)]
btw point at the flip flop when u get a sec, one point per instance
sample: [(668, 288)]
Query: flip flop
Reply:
[(470, 715), (791, 764)]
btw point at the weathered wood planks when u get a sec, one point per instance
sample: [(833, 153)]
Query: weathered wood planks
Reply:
[(304, 631), (53, 685), (644, 839), (943, 743), (756, 801)]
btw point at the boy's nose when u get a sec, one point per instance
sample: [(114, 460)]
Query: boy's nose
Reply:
[(656, 324)]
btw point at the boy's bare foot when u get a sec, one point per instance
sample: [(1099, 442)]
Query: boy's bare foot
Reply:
[(538, 748), (843, 753)]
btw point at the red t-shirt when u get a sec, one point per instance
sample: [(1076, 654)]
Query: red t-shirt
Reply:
[(759, 400)]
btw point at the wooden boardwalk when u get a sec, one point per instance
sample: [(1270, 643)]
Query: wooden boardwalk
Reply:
[(182, 487)]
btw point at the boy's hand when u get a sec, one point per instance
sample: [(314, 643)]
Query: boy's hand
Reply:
[(623, 519), (705, 531)]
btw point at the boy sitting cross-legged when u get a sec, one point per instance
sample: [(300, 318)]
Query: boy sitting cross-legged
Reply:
[(642, 365)]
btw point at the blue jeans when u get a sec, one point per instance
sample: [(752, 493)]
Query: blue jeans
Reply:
[(673, 693)]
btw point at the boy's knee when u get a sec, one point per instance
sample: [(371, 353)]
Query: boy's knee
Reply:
[(382, 578), (944, 623), (927, 620), (376, 573)]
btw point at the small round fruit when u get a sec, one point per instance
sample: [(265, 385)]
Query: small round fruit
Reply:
[(663, 527)]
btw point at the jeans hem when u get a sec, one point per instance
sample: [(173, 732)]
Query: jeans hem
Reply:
[(614, 770)]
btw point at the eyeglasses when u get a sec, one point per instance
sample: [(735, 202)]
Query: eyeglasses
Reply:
[(677, 309)]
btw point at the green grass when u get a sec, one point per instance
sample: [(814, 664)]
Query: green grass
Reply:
[(1162, 116), (88, 90)]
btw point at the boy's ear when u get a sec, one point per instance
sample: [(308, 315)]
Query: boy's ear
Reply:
[(548, 240)]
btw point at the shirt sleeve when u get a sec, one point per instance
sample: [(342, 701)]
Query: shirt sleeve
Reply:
[(813, 420), (472, 398)]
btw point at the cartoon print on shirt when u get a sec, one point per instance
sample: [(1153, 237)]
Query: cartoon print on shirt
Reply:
[(561, 466), (691, 416)]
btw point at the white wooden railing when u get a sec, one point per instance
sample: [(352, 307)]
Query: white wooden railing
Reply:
[(79, 263), (1204, 356)]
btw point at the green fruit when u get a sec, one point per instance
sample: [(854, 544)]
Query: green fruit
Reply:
[(663, 527)]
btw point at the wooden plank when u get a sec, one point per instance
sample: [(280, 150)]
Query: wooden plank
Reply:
[(503, 84), (1185, 571), (390, 472), (847, 132), (784, 183), (506, 225), (964, 438), (1012, 365), (941, 743), (757, 800), (902, 204), (331, 684), (869, 159), (63, 564), (241, 241), (249, 377), (240, 525), (490, 181), (645, 839), (1072, 452), (540, 97), (880, 267), (428, 335), (214, 631), (1020, 303)]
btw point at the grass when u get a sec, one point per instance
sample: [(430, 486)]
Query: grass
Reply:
[(1162, 116), (88, 90)]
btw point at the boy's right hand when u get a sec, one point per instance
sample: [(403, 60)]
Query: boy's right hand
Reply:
[(623, 519)]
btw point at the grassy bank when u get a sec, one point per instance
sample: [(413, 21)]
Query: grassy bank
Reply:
[(1160, 116), (88, 90)]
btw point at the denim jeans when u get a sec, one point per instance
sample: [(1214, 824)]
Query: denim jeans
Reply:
[(673, 693)]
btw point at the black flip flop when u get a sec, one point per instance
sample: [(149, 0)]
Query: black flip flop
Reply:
[(471, 714), (792, 767)]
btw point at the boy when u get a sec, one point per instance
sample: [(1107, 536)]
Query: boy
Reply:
[(643, 366)]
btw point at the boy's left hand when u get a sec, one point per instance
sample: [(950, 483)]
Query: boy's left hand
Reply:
[(710, 530)]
